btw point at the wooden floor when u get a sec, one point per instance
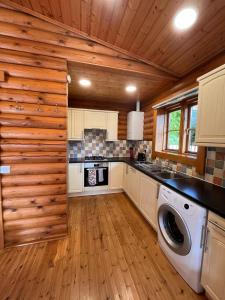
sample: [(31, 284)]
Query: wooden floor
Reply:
[(111, 253)]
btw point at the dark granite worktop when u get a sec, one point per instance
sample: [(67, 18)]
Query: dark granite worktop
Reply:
[(201, 192)]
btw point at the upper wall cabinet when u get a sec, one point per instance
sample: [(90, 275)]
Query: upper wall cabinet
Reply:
[(75, 124), (95, 119), (211, 112), (112, 126), (80, 119)]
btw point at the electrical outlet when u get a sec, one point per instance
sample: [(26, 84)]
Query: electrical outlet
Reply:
[(4, 169)]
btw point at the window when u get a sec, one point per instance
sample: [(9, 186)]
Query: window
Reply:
[(173, 130), (174, 134), (180, 128)]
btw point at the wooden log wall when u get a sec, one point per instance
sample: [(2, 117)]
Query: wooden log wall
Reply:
[(33, 106)]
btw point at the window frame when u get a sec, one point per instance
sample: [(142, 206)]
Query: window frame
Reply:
[(159, 137)]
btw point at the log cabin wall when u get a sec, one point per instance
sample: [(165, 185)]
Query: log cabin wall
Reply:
[(33, 143), (33, 107)]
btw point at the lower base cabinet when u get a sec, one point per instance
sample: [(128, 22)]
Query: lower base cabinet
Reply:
[(213, 270), (76, 178), (148, 199), (116, 170)]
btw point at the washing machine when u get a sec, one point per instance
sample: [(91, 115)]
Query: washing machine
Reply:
[(181, 234)]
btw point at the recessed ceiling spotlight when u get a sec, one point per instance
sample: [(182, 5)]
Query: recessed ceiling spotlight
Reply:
[(185, 18), (131, 88), (85, 82)]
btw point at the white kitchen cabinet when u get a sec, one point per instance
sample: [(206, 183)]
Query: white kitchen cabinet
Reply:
[(75, 124), (211, 109), (112, 126), (133, 185), (75, 178), (95, 119), (214, 258), (148, 199), (116, 170)]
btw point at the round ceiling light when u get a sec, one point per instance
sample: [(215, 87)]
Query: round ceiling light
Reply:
[(185, 18), (131, 88), (85, 82)]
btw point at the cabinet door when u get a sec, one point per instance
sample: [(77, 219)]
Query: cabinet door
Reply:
[(95, 119), (148, 199), (211, 111), (133, 185), (77, 124), (112, 126), (116, 175), (214, 263), (76, 178)]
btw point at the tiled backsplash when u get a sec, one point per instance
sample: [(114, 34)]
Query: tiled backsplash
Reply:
[(95, 144), (214, 167)]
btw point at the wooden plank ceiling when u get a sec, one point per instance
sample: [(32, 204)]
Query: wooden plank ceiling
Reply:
[(109, 85), (143, 28)]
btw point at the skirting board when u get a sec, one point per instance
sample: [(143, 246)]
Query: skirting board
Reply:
[(95, 192)]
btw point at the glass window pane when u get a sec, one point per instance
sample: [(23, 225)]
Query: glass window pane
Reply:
[(191, 141), (173, 140), (174, 120), (193, 116), (191, 133)]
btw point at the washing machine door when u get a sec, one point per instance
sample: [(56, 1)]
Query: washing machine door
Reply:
[(174, 229)]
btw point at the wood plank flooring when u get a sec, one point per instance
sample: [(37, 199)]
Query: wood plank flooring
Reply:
[(111, 253)]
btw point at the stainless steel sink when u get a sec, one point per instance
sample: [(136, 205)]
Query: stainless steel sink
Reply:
[(170, 175), (160, 172)]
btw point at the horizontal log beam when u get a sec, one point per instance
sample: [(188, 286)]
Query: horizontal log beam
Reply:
[(12, 145), (40, 168), (83, 57), (21, 180), (12, 120), (34, 201), (29, 109), (34, 85), (32, 133), (33, 72), (26, 191), (29, 59), (34, 212), (22, 96), (40, 233), (34, 222)]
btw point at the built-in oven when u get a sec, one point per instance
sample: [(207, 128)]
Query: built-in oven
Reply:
[(96, 174)]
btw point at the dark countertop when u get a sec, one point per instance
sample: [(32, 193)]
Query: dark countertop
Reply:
[(201, 192)]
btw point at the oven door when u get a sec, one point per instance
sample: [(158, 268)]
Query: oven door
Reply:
[(96, 175)]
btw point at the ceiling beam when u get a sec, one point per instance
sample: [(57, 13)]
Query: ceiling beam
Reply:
[(84, 35)]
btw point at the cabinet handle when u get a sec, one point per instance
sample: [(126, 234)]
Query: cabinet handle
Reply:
[(126, 169), (202, 236), (206, 239), (81, 167)]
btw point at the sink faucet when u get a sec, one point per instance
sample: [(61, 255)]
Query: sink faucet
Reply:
[(167, 164)]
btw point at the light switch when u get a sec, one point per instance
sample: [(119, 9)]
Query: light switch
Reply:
[(4, 169)]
